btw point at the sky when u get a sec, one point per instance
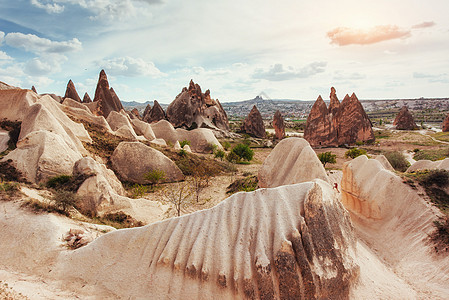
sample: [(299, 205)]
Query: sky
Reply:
[(287, 49)]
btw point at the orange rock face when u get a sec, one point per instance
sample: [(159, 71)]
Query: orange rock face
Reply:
[(253, 124), (71, 92), (404, 120), (445, 125), (106, 98), (279, 126), (154, 114), (341, 123), (86, 98)]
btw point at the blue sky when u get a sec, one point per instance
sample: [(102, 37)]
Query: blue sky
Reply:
[(288, 49)]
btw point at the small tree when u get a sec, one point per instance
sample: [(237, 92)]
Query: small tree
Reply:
[(219, 154), (354, 152), (243, 151), (199, 180), (327, 157), (154, 176), (178, 194), (226, 145)]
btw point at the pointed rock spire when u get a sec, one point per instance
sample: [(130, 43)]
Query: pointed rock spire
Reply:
[(279, 126), (106, 98), (86, 98), (71, 92), (404, 120), (155, 114), (33, 89), (253, 124)]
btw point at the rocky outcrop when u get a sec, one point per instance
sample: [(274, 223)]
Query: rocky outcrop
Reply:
[(143, 128), (14, 103), (4, 139), (278, 125), (155, 114), (131, 160), (294, 242), (341, 123), (253, 124), (135, 113), (106, 100), (193, 109), (445, 124), (71, 92), (425, 164), (291, 161), (86, 98), (33, 89), (404, 120)]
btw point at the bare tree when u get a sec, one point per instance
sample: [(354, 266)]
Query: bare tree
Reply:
[(199, 180), (178, 194)]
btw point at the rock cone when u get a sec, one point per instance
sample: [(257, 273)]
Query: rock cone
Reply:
[(33, 89), (105, 97), (86, 98), (404, 120), (445, 125), (279, 126), (192, 109), (155, 114), (253, 124), (71, 92)]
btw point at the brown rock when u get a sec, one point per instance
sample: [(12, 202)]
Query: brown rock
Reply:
[(279, 126), (404, 120), (253, 124), (71, 92), (86, 98), (135, 113), (33, 89), (445, 125), (106, 98), (155, 114), (191, 109), (341, 123)]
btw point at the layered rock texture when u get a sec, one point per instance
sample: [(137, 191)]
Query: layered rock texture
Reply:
[(404, 120), (306, 255), (253, 124), (105, 99), (338, 124), (194, 109), (71, 92), (155, 114), (291, 161), (278, 125), (425, 164)]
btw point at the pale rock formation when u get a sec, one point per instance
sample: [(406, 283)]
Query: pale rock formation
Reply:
[(384, 161), (294, 242), (14, 103), (4, 139), (165, 130), (131, 160), (177, 146), (71, 92), (253, 124), (143, 128), (193, 109), (187, 148), (278, 125), (159, 142), (291, 161), (404, 120), (43, 154), (425, 164), (121, 124), (200, 139), (5, 86)]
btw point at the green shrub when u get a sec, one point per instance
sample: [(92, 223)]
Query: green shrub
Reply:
[(243, 152), (397, 161), (219, 154), (154, 176), (232, 157), (440, 236), (246, 184), (66, 182), (211, 147), (354, 152), (184, 142), (138, 190), (440, 178), (182, 153), (9, 187), (327, 157), (120, 220), (226, 145), (64, 200), (359, 143), (59, 181)]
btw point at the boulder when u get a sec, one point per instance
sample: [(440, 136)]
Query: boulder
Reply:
[(41, 155), (155, 114), (165, 130), (121, 124), (291, 161), (159, 142), (253, 124), (143, 128), (278, 125), (384, 161), (4, 139), (131, 160), (14, 103), (193, 109), (425, 164), (200, 139), (294, 242), (135, 113), (86, 98), (71, 92), (105, 97), (404, 120)]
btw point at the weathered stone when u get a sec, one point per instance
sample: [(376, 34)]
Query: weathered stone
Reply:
[(404, 120), (71, 92), (279, 126), (14, 103), (193, 109), (253, 124), (86, 98), (135, 113), (155, 114), (33, 89), (319, 130), (105, 97)]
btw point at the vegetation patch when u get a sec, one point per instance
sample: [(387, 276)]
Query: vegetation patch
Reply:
[(355, 152), (397, 161), (440, 236), (119, 220), (66, 182), (61, 202), (247, 184), (327, 157), (13, 128), (9, 173), (240, 153), (432, 154), (9, 190)]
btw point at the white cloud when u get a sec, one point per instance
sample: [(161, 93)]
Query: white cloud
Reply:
[(424, 25), (51, 8), (339, 75), (343, 36), (433, 78), (278, 73), (44, 65), (2, 35), (35, 44), (4, 56), (131, 67)]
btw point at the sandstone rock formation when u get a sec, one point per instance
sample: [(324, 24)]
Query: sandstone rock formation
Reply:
[(4, 139), (105, 99), (155, 114), (33, 89), (193, 109), (143, 128), (404, 120), (291, 161), (14, 103), (341, 123), (279, 126), (253, 124), (86, 98), (306, 255), (135, 113), (131, 160), (425, 164), (5, 86), (384, 161), (71, 92), (445, 124)]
